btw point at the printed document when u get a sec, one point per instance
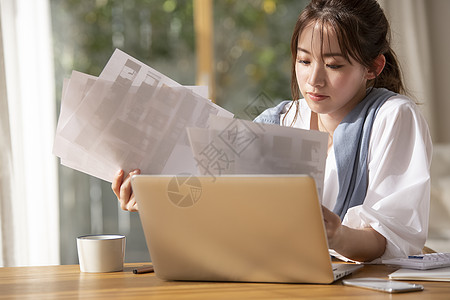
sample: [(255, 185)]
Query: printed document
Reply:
[(130, 117), (234, 146)]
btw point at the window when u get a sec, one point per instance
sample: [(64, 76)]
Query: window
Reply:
[(251, 63)]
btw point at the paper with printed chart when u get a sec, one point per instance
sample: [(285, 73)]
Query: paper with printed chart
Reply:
[(234, 146), (72, 155), (130, 117)]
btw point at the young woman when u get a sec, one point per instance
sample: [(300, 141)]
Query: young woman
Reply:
[(377, 181)]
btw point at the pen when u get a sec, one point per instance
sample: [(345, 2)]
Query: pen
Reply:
[(143, 270)]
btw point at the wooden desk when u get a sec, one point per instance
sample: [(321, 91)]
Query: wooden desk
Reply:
[(67, 282)]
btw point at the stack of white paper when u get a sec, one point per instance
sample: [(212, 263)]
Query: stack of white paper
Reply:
[(130, 117)]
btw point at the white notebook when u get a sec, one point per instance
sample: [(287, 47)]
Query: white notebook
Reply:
[(441, 274)]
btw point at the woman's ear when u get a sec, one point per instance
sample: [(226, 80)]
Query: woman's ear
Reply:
[(377, 67)]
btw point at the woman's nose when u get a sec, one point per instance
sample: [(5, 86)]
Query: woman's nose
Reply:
[(316, 76)]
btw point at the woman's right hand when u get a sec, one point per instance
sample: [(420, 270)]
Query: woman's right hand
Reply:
[(122, 188)]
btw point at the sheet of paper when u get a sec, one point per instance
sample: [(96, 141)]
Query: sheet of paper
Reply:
[(234, 146), (72, 155), (131, 117)]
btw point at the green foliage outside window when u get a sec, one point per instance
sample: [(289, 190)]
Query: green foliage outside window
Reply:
[(251, 42)]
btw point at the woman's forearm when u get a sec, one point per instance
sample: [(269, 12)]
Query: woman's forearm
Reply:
[(364, 244)]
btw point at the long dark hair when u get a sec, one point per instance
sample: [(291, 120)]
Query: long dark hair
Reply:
[(363, 33)]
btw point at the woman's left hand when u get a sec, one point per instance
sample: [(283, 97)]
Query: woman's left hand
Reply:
[(333, 226)]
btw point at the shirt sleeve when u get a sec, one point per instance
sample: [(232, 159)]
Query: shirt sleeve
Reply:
[(272, 115), (398, 194)]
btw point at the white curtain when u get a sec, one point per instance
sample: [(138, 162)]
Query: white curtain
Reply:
[(422, 43), (6, 237), (410, 41), (28, 178), (421, 39)]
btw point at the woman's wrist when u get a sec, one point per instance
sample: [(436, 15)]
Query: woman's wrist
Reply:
[(338, 241)]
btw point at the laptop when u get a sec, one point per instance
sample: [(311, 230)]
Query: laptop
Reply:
[(241, 228)]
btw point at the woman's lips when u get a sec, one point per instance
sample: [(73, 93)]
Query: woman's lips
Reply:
[(317, 97)]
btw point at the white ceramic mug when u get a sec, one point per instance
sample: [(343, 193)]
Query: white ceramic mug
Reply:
[(101, 253)]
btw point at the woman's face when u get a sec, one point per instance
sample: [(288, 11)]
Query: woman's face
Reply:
[(329, 82)]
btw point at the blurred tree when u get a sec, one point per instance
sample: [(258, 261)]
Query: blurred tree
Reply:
[(158, 33), (252, 50), (251, 42)]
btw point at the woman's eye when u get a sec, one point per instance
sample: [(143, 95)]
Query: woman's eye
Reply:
[(303, 62), (334, 67)]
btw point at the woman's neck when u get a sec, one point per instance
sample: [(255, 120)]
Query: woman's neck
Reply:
[(316, 123), (327, 123)]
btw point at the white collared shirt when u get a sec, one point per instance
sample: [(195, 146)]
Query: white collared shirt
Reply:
[(398, 195)]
